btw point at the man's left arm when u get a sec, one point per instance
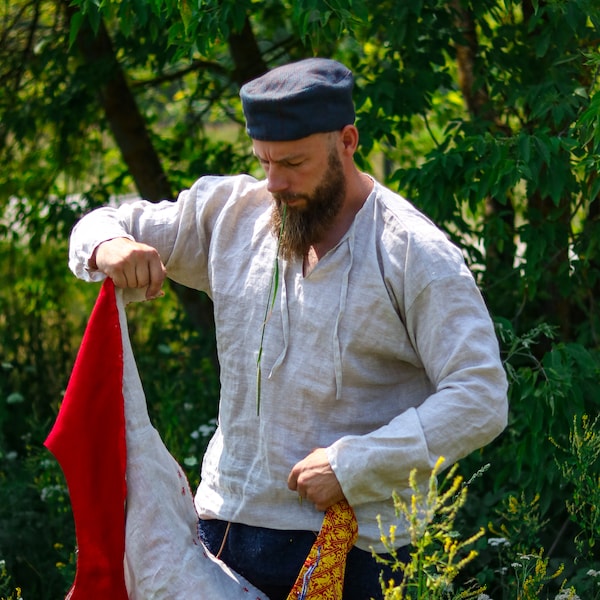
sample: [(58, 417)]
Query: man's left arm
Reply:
[(455, 339)]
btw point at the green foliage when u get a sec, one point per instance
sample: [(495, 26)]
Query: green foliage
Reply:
[(438, 555), (518, 567), (7, 590), (526, 500), (580, 466), (40, 325), (485, 114), (532, 576), (560, 385)]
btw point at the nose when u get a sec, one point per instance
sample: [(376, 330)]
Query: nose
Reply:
[(276, 179)]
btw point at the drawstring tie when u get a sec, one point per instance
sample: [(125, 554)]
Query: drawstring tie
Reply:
[(337, 349)]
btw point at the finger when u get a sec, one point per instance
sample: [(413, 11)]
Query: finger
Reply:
[(130, 270), (293, 479), (119, 279), (156, 276), (141, 274), (123, 276)]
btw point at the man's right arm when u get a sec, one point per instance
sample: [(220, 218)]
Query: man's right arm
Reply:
[(133, 243), (104, 243)]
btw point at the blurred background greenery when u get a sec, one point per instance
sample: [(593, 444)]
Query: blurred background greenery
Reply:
[(485, 114)]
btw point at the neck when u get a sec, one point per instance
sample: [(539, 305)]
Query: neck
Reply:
[(359, 186)]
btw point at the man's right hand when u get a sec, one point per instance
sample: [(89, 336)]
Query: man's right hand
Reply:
[(130, 265)]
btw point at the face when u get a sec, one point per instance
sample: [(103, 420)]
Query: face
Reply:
[(309, 212)]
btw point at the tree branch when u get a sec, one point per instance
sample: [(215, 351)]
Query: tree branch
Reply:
[(246, 55), (122, 113), (195, 65)]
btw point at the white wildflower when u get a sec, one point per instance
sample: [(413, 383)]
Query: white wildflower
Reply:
[(567, 595), (207, 429), (52, 491), (15, 398), (500, 541)]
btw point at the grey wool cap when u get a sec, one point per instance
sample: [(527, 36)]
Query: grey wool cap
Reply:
[(298, 99)]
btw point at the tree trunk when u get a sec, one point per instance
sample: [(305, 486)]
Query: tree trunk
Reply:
[(123, 115), (129, 129), (246, 55), (479, 106), (132, 137)]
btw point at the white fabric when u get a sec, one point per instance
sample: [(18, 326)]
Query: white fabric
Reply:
[(164, 557), (384, 354)]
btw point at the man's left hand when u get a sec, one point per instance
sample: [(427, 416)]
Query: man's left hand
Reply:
[(314, 479)]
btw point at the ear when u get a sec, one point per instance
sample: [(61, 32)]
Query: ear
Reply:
[(349, 139)]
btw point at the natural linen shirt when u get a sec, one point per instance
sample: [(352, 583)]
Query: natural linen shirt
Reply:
[(384, 354)]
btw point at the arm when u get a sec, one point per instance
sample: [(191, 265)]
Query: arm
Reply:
[(130, 243), (178, 233), (134, 243), (455, 339)]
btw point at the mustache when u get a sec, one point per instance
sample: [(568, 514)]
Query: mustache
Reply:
[(288, 196)]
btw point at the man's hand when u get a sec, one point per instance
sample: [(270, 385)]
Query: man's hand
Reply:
[(130, 265), (314, 479)]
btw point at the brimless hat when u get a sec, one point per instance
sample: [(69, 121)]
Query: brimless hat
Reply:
[(298, 99)]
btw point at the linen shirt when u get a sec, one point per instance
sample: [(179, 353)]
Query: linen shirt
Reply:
[(384, 354)]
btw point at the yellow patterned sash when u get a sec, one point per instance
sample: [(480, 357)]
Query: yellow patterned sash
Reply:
[(322, 575)]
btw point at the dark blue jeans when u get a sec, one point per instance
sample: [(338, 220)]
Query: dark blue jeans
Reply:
[(271, 559)]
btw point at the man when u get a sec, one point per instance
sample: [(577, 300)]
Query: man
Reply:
[(376, 353)]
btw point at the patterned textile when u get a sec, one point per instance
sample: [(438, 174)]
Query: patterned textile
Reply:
[(135, 519), (322, 575)]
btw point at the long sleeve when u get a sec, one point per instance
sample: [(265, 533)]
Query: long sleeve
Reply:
[(455, 340), (94, 228), (181, 231)]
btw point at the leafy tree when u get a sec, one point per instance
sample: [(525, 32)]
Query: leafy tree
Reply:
[(485, 114)]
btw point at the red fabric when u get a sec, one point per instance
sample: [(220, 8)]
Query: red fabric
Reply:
[(88, 440)]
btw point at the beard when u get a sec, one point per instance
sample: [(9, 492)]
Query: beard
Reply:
[(308, 224)]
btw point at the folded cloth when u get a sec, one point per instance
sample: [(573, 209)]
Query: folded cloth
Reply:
[(135, 520), (88, 440)]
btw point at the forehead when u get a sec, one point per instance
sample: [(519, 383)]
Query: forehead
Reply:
[(281, 151)]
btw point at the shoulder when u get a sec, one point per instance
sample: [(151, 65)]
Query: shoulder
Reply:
[(227, 197), (229, 210), (226, 186), (405, 230), (413, 253)]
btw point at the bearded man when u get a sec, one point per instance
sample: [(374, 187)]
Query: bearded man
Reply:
[(378, 355)]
